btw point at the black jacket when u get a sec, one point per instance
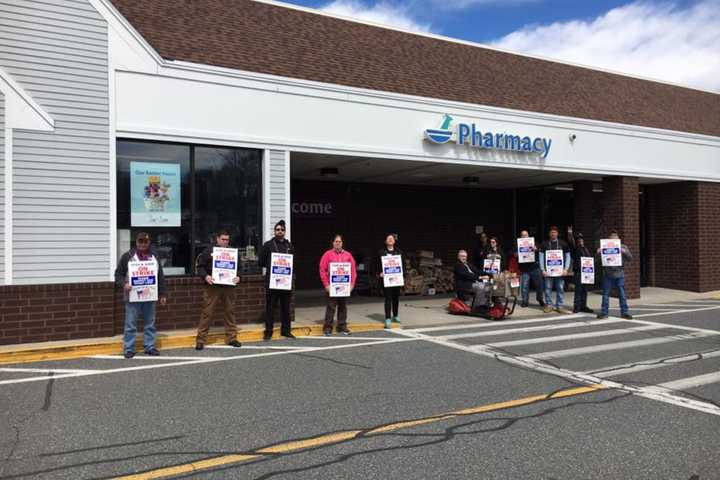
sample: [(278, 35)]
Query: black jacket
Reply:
[(121, 272), (492, 255), (465, 276), (273, 246), (478, 255)]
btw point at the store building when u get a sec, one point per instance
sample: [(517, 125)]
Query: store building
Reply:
[(241, 113)]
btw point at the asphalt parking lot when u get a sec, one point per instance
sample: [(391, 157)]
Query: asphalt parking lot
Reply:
[(548, 397)]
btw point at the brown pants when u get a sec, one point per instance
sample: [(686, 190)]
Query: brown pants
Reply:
[(214, 295), (341, 304)]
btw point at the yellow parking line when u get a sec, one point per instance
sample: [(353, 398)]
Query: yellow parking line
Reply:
[(337, 437)]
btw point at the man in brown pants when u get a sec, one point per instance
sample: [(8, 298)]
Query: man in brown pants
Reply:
[(214, 294)]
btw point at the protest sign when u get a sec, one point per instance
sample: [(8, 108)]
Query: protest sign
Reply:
[(610, 252), (554, 263), (587, 270), (142, 276), (340, 279), (392, 271), (491, 266), (526, 250), (281, 271), (224, 265)]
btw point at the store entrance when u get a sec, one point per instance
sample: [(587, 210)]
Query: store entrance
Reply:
[(434, 209)]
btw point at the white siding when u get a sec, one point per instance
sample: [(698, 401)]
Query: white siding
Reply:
[(277, 194), (57, 51), (2, 189)]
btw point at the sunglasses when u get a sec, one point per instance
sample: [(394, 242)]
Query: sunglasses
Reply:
[(280, 229)]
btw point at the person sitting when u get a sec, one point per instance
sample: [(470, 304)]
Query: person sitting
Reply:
[(466, 278)]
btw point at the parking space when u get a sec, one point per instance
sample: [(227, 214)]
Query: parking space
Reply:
[(513, 399)]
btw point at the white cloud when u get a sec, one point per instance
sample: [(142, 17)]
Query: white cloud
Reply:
[(661, 41), (381, 12)]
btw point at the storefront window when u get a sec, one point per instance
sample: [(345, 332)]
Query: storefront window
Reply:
[(183, 194)]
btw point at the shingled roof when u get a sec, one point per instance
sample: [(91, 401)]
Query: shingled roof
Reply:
[(272, 39)]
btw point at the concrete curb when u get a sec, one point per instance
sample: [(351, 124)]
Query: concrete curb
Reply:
[(113, 346)]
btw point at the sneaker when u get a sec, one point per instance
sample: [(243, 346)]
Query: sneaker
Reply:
[(289, 335), (152, 352), (129, 354), (345, 332), (626, 316), (547, 309), (587, 310), (234, 343), (387, 324), (267, 337), (600, 316), (199, 346), (396, 320), (327, 333)]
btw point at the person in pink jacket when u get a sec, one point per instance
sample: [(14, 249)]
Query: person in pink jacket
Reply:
[(336, 255)]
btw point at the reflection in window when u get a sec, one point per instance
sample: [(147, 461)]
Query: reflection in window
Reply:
[(225, 195)]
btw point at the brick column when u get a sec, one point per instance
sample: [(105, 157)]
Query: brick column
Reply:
[(583, 210), (621, 212), (708, 233)]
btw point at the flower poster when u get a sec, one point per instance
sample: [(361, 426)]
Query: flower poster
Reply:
[(154, 194)]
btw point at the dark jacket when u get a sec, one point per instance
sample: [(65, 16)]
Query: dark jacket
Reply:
[(465, 276), (478, 256), (617, 272), (555, 245), (121, 272), (268, 248), (489, 254), (577, 253), (204, 265), (384, 251)]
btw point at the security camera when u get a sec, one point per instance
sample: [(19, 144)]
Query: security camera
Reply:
[(572, 137)]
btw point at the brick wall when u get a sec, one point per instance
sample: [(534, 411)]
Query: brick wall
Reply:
[(40, 313), (439, 219), (621, 212), (683, 225)]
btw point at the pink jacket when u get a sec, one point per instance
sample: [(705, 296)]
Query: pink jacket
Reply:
[(331, 256)]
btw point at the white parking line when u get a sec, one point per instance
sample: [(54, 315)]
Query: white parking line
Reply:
[(45, 370), (692, 382), (142, 357), (673, 312), (313, 337), (682, 305), (665, 396), (576, 336), (607, 347), (488, 324), (205, 360), (254, 347), (632, 367), (543, 328)]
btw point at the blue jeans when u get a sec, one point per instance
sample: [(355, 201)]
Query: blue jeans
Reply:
[(607, 284), (536, 277), (580, 298), (132, 312), (559, 284)]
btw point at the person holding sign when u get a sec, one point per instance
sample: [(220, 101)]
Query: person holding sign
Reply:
[(554, 262), (276, 258), (614, 274), (338, 275), (391, 272), (529, 270), (580, 256), (494, 260), (217, 266), (140, 275)]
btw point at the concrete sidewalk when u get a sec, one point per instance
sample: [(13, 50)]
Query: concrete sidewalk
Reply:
[(419, 311)]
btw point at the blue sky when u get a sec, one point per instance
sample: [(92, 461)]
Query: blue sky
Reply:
[(671, 40)]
